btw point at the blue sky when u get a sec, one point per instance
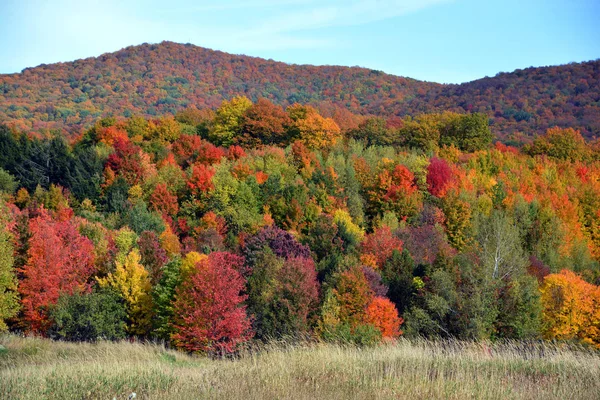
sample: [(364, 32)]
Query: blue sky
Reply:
[(435, 40)]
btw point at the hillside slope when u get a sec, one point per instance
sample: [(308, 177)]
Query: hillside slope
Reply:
[(529, 100), (153, 79)]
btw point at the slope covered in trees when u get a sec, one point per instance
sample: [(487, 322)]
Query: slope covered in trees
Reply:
[(152, 80), (258, 222)]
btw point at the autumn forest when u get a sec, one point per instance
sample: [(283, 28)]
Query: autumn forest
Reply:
[(249, 201)]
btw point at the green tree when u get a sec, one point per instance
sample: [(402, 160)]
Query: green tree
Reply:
[(374, 131), (8, 184), (163, 295), (228, 120), (470, 132), (89, 317), (9, 299)]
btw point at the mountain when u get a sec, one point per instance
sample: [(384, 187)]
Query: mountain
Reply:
[(154, 79)]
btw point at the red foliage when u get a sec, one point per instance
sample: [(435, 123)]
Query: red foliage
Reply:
[(109, 135), (402, 183), (209, 309), (439, 176), (264, 123), (380, 245), (506, 149), (126, 161), (60, 260), (163, 201), (205, 78), (153, 256), (261, 177), (583, 173), (538, 269), (425, 243), (298, 288), (304, 159), (212, 220), (235, 152), (191, 149), (201, 179)]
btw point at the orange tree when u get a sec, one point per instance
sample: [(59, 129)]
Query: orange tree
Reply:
[(571, 308)]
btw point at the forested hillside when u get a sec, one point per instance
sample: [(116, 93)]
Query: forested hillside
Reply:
[(152, 80), (211, 229)]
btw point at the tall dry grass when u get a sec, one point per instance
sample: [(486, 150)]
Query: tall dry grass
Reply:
[(32, 368)]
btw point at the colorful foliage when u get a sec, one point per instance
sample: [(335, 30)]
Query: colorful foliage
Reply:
[(383, 315), (132, 282), (209, 313), (380, 245), (571, 308), (60, 260)]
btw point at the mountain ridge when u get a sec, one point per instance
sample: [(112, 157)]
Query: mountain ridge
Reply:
[(154, 79)]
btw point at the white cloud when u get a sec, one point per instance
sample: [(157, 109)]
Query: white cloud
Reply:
[(290, 23), (343, 13)]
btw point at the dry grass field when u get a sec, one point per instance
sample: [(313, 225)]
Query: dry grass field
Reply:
[(32, 368)]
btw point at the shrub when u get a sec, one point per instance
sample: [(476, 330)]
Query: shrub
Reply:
[(88, 317)]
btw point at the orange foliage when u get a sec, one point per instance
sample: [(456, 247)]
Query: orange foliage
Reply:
[(163, 201), (571, 308), (201, 180), (383, 314)]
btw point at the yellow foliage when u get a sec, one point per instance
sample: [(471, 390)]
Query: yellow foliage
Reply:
[(188, 264), (571, 308), (170, 242), (132, 282), (124, 239), (450, 153), (344, 221), (330, 315), (135, 193), (369, 260), (312, 129), (22, 197)]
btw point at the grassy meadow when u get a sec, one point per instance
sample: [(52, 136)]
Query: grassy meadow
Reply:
[(32, 368)]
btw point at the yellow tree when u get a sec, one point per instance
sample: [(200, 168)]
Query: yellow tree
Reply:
[(132, 282), (571, 308), (228, 120), (311, 128), (170, 242), (458, 221)]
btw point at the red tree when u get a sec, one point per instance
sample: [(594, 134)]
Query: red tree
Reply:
[(378, 247), (209, 310), (201, 179), (60, 260), (235, 152), (163, 201), (190, 149), (126, 161), (439, 176), (299, 289), (153, 256)]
